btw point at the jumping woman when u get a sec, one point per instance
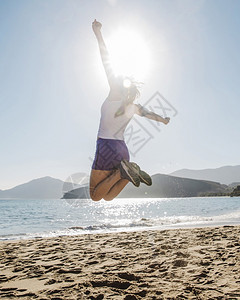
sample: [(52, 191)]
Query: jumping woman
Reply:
[(111, 169)]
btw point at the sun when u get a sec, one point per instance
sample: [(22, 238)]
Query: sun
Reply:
[(129, 54)]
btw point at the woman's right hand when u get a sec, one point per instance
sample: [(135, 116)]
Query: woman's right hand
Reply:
[(96, 26), (166, 120)]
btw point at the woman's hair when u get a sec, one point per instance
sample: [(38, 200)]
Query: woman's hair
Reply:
[(133, 92), (129, 87), (130, 92)]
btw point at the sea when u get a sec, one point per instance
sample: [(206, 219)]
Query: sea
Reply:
[(39, 218)]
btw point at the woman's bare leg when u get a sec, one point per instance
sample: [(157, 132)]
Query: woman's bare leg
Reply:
[(101, 183), (116, 189)]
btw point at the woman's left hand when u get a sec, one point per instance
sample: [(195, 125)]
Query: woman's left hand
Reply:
[(96, 26)]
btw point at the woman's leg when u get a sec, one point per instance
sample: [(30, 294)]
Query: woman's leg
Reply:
[(101, 182), (116, 189)]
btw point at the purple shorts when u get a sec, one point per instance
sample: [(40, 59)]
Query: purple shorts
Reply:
[(109, 154)]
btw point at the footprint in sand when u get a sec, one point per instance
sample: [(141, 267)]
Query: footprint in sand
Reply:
[(128, 276), (49, 282), (115, 284), (182, 254), (179, 263), (130, 297)]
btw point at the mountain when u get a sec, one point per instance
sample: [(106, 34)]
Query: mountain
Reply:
[(236, 192), (234, 184), (224, 175), (163, 186), (41, 188)]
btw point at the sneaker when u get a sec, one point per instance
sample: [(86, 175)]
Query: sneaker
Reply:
[(128, 172), (144, 177)]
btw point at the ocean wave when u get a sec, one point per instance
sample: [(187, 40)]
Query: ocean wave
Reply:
[(229, 216), (104, 227), (143, 223), (131, 224), (5, 237)]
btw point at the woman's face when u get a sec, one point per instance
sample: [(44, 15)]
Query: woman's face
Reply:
[(132, 92), (129, 94)]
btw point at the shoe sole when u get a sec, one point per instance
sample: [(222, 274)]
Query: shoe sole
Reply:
[(126, 168), (143, 175), (142, 178)]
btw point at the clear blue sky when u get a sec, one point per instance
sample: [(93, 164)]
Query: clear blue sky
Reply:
[(53, 84)]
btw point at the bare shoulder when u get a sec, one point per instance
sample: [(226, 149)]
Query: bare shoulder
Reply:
[(137, 108)]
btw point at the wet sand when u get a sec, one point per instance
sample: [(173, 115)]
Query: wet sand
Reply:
[(200, 263)]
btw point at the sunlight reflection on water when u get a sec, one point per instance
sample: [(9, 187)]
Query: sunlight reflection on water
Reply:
[(21, 218)]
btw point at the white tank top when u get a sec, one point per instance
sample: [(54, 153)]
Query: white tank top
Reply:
[(111, 127)]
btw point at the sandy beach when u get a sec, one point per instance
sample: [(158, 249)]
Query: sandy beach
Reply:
[(199, 263)]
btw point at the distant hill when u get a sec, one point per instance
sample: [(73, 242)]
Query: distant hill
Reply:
[(234, 184), (41, 188), (236, 192), (163, 186), (224, 175)]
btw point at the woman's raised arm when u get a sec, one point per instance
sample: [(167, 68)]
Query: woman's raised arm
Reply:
[(96, 26)]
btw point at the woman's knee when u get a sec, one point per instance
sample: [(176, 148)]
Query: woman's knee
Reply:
[(95, 197), (108, 198)]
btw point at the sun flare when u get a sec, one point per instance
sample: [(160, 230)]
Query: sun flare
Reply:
[(129, 54)]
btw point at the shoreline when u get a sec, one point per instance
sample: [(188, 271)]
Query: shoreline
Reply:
[(186, 263), (155, 197), (74, 232)]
